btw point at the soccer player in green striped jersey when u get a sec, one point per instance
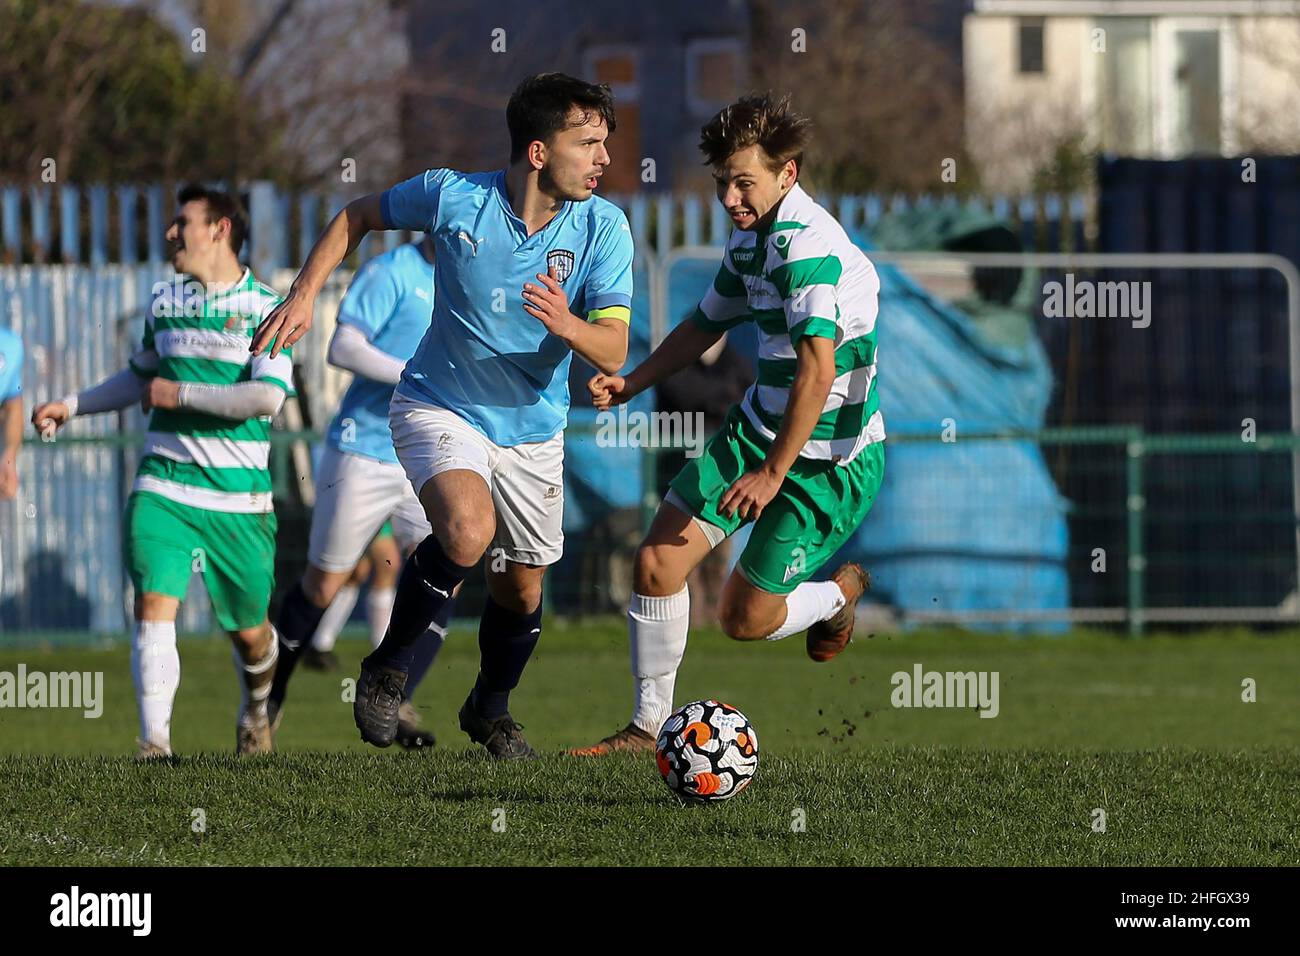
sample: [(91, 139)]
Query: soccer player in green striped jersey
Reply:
[(801, 456), (202, 495)]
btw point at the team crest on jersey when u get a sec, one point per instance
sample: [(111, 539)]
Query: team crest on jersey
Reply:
[(561, 260)]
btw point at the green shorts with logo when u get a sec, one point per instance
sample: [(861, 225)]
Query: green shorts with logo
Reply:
[(819, 506), (166, 542)]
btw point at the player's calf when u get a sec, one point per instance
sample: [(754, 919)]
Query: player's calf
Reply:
[(256, 653)]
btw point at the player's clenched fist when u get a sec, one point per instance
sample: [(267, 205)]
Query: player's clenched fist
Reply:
[(49, 418), (607, 390), (284, 325)]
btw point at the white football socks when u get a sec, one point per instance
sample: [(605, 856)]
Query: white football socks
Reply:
[(255, 676), (334, 618), (657, 629), (379, 608), (156, 668), (807, 604)]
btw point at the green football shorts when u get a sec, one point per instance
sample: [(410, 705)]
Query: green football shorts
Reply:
[(819, 505), (166, 542)]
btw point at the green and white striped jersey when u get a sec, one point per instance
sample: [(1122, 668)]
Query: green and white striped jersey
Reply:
[(803, 276), (201, 460)]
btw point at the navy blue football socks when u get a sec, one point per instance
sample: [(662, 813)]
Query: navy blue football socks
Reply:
[(427, 648), (297, 623), (423, 589), (506, 640)]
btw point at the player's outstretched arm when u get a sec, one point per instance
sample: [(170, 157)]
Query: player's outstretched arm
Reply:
[(684, 345), (114, 393), (292, 318)]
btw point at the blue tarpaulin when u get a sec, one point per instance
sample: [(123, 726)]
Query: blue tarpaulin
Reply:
[(959, 526)]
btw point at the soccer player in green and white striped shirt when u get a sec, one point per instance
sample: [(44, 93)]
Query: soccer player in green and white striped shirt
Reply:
[(801, 456), (202, 495)]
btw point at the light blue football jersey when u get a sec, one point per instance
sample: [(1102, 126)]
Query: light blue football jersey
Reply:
[(484, 357), (11, 365), (391, 301)]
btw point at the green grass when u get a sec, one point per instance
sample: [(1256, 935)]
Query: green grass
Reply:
[(1154, 732)]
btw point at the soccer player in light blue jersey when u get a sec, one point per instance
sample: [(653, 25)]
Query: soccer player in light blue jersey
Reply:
[(11, 411), (359, 483), (532, 268), (11, 415)]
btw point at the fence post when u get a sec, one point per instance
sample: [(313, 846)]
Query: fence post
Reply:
[(98, 196), (13, 224), (692, 214), (307, 230), (663, 224), (1137, 560), (154, 218), (267, 230), (126, 249), (638, 214), (719, 225), (39, 200), (69, 224)]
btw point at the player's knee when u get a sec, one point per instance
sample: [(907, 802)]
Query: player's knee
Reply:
[(251, 641), (319, 589), (465, 537), (740, 624), (653, 573), (521, 599)]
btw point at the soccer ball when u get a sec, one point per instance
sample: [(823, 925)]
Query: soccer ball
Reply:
[(707, 751)]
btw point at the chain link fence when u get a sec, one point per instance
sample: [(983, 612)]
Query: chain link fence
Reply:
[(1070, 469)]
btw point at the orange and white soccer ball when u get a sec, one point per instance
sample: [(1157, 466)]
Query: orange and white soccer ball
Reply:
[(706, 750)]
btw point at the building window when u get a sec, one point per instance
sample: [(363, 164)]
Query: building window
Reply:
[(619, 66), (1124, 99), (713, 73), (1031, 44)]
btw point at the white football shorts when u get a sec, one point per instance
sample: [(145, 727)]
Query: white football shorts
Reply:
[(355, 495), (526, 481)]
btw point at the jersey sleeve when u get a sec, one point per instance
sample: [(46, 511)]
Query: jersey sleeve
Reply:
[(609, 283), (806, 284), (413, 204), (726, 304), (371, 299), (277, 371), (11, 370)]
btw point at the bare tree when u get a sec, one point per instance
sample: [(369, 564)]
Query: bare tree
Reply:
[(884, 94), (1268, 113)]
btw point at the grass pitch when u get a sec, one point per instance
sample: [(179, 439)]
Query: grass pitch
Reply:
[(1154, 733)]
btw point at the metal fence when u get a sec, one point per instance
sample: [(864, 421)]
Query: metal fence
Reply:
[(1167, 529), (98, 224)]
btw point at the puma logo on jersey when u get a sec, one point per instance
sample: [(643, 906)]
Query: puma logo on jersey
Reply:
[(473, 243), (444, 440)]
